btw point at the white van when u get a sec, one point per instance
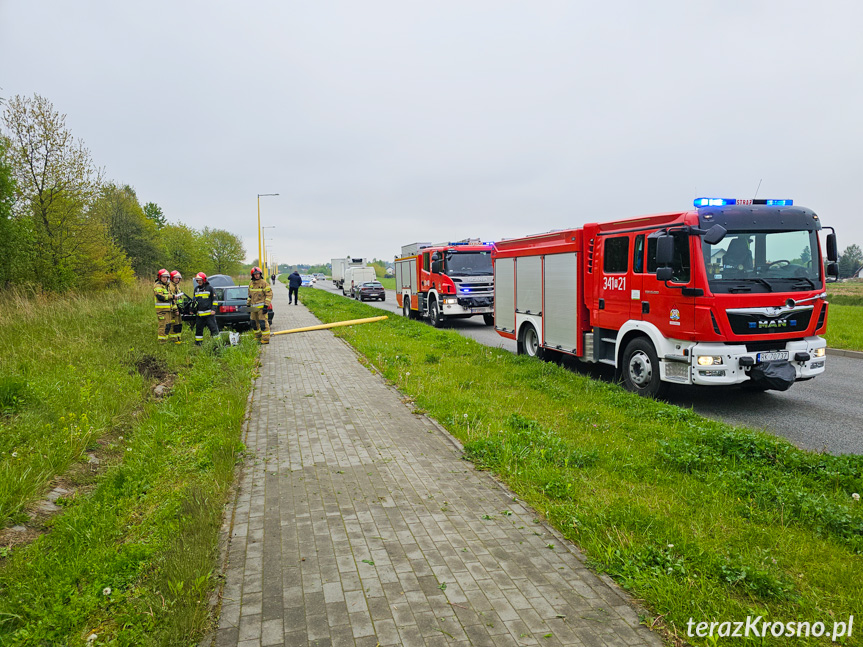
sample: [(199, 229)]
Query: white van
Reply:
[(355, 277)]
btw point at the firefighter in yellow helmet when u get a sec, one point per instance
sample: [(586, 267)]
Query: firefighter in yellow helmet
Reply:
[(260, 301), (164, 303), (180, 299)]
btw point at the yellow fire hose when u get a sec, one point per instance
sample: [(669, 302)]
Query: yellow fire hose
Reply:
[(330, 325)]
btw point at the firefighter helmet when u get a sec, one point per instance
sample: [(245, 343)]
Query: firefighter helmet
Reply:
[(256, 269), (176, 275), (161, 273), (201, 275)]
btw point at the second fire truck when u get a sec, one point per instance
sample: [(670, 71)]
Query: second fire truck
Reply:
[(441, 281), (730, 292)]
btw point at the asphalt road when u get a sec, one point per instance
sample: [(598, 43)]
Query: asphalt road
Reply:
[(824, 414)]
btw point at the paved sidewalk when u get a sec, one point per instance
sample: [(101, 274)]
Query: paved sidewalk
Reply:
[(357, 523)]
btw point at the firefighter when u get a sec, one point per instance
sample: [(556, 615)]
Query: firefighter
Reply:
[(177, 308), (260, 301), (164, 303), (205, 306)]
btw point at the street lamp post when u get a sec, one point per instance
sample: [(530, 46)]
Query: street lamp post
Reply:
[(264, 259), (260, 246)]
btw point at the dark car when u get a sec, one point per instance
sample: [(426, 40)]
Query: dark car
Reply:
[(232, 311), (370, 290), (219, 282)]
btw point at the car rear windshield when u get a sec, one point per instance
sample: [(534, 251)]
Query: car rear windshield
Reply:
[(239, 292), (372, 285)]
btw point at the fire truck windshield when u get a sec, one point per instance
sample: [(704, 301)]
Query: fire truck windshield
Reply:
[(763, 261), (460, 263)]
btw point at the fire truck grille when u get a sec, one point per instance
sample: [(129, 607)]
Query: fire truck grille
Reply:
[(760, 324), (476, 302)]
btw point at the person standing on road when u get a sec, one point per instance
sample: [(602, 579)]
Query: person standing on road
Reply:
[(164, 304), (294, 283), (179, 300), (205, 305), (260, 301)]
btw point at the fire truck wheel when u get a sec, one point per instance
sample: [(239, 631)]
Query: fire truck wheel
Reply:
[(488, 319), (529, 344), (435, 317), (640, 369), (406, 310)]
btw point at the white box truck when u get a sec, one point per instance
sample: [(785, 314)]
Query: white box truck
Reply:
[(355, 276)]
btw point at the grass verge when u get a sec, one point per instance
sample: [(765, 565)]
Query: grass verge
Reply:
[(696, 518), (845, 327), (132, 557)]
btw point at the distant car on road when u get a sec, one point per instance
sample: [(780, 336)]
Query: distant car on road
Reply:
[(370, 290), (307, 280)]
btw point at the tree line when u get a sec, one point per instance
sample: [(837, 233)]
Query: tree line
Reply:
[(63, 226)]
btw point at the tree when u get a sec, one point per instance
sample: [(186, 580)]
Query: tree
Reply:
[(224, 250), (154, 213), (850, 261), (129, 227), (55, 184), (182, 248), (13, 235), (805, 256)]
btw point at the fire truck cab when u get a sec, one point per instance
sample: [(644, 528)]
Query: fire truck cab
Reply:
[(731, 292), (441, 281)]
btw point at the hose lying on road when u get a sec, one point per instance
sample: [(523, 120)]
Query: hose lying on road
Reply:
[(330, 325)]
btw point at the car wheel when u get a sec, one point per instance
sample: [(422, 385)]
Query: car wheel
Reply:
[(529, 343), (435, 316), (488, 319), (640, 369), (383, 298)]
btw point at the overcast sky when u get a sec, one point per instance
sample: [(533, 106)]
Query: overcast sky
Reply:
[(382, 123)]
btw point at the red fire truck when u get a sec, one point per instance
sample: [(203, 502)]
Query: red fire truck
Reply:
[(730, 292), (443, 281)]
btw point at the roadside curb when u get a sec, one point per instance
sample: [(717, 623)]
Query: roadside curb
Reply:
[(856, 354)]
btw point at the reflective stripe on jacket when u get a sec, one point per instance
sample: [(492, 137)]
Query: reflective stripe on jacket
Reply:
[(164, 299), (260, 294), (205, 299)]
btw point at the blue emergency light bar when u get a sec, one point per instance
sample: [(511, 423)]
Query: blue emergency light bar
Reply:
[(728, 202)]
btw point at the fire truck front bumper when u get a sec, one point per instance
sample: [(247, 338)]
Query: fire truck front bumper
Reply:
[(728, 364), (466, 306)]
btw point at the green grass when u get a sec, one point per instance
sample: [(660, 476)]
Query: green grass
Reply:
[(132, 557), (847, 293), (696, 518), (388, 283), (844, 327)]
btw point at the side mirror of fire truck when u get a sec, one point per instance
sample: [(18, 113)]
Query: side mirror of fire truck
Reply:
[(833, 271), (715, 235), (664, 250), (832, 250)]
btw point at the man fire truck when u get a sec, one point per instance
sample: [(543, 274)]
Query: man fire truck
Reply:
[(731, 292), (444, 281)]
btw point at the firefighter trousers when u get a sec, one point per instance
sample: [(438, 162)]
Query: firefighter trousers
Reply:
[(210, 322), (260, 325), (163, 323), (176, 326)]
